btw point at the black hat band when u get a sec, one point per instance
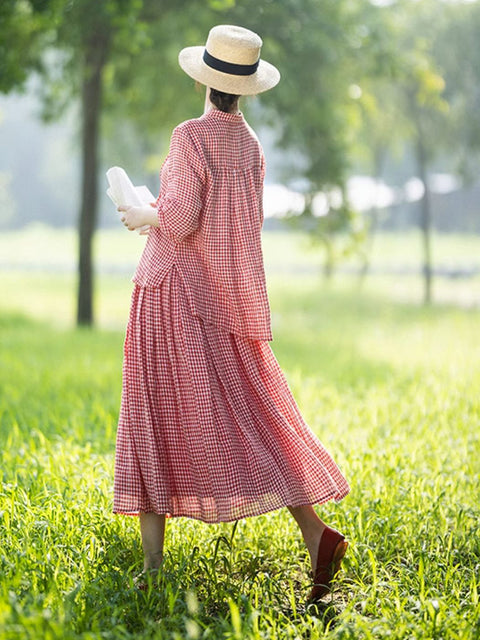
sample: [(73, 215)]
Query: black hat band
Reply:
[(229, 67)]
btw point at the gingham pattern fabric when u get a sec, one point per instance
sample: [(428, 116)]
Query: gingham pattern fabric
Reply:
[(208, 427), (210, 213)]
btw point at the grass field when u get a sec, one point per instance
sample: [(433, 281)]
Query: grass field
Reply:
[(393, 391)]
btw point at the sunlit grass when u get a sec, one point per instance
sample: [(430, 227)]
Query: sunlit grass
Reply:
[(393, 390)]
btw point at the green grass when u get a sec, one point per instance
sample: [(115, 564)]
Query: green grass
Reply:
[(393, 391)]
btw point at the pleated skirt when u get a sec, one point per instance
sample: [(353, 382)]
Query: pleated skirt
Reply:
[(208, 427)]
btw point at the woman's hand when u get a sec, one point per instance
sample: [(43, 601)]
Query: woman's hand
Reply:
[(138, 217)]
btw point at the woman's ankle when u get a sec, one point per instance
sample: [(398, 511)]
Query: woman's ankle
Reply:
[(152, 561)]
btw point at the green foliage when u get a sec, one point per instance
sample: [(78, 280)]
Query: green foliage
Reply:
[(458, 56), (23, 25), (407, 106), (84, 29), (322, 50), (391, 390), (405, 99)]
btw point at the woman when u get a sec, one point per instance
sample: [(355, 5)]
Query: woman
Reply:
[(208, 427)]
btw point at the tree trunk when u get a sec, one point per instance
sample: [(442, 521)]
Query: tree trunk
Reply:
[(329, 262), (426, 221), (96, 47), (378, 164)]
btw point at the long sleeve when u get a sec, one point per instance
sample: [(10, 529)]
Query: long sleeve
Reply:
[(180, 205)]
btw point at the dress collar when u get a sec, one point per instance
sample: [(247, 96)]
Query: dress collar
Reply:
[(222, 115)]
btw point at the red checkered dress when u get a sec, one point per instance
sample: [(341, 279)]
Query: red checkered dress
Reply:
[(208, 427)]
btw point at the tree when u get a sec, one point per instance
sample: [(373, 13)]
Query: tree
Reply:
[(88, 34), (120, 57), (457, 54), (406, 103), (424, 105), (23, 28), (87, 39), (81, 36), (321, 49)]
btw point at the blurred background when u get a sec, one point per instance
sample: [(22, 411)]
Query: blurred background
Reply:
[(372, 141)]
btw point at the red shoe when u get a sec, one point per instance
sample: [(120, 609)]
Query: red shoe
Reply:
[(331, 549)]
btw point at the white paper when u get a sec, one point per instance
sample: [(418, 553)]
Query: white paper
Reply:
[(122, 192)]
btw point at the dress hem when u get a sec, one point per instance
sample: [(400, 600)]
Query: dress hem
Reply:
[(246, 514)]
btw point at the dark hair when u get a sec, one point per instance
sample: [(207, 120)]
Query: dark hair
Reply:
[(223, 101)]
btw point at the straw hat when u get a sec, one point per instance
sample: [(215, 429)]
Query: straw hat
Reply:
[(230, 62)]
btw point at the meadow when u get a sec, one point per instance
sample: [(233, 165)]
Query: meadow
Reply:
[(390, 387)]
